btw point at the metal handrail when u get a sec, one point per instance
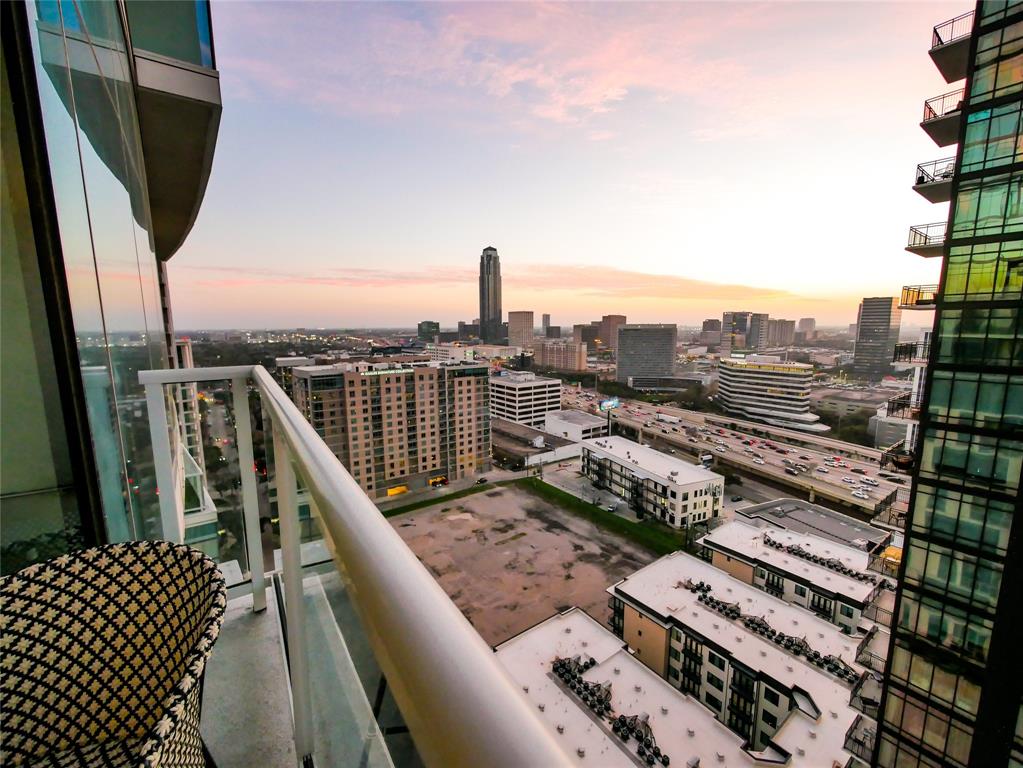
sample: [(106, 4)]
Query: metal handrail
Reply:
[(936, 170), (946, 104), (927, 234), (904, 405), (460, 705), (912, 352), (952, 30), (918, 295)]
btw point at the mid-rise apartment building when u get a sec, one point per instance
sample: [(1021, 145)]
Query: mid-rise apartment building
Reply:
[(523, 397), (877, 333), (758, 664), (765, 389), (520, 329), (953, 690), (653, 483), (780, 333), (609, 325), (399, 426), (560, 355), (646, 350)]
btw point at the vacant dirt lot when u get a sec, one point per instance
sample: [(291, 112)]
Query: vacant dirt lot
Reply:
[(509, 559)]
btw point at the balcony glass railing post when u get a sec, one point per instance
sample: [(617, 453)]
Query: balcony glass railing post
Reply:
[(250, 500)]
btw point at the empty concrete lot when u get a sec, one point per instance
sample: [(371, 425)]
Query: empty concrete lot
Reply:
[(509, 559)]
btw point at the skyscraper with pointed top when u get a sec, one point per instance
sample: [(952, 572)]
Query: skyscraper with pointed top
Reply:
[(490, 296)]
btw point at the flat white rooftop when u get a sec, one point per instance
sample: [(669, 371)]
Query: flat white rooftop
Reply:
[(684, 729), (651, 461), (804, 517), (579, 418), (750, 540), (523, 379)]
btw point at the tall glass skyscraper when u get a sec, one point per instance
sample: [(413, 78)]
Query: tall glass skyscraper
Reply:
[(953, 686), (490, 296), (110, 117)]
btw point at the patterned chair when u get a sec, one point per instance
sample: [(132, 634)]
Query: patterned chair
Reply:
[(102, 655)]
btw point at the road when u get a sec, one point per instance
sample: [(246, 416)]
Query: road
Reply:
[(696, 434)]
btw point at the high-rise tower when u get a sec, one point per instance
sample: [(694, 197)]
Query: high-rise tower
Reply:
[(877, 333), (490, 295), (952, 686)]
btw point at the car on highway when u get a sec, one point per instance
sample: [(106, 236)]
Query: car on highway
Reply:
[(870, 481), (758, 455), (790, 471), (858, 471), (692, 439), (721, 449), (805, 458), (759, 461), (737, 498), (822, 470), (848, 480), (860, 495)]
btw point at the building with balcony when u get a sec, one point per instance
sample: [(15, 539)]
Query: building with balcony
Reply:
[(877, 333), (559, 355), (523, 397), (646, 350), (399, 426), (951, 690), (765, 389), (653, 483), (760, 665)]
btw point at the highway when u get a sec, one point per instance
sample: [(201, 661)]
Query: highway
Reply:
[(698, 434)]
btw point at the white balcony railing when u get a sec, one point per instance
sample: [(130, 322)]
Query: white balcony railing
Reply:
[(456, 699)]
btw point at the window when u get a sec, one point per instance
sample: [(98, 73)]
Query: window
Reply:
[(771, 697), (712, 701), (800, 590), (715, 681), (845, 610), (769, 720), (716, 660)]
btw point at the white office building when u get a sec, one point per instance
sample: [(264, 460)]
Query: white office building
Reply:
[(653, 483), (575, 425), (765, 389), (524, 398)]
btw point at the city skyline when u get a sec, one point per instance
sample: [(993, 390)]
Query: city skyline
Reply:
[(610, 167)]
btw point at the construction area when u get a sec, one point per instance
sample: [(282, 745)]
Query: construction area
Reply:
[(509, 559)]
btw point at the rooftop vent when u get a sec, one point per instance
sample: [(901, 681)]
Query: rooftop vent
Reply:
[(690, 733), (581, 752), (561, 728), (541, 707)]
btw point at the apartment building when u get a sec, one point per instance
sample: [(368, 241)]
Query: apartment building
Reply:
[(520, 329), (646, 350), (605, 707), (806, 517), (653, 483), (780, 333), (952, 686), (575, 425), (877, 333), (762, 667), (765, 389), (831, 579), (523, 397), (609, 325), (399, 426), (560, 356)]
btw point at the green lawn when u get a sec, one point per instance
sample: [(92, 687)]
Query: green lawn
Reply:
[(652, 535)]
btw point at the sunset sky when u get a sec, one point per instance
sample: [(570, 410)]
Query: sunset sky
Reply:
[(665, 161)]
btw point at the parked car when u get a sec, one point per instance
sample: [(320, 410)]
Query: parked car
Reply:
[(481, 481), (737, 498)]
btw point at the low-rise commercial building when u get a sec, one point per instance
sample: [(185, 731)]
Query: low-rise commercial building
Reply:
[(523, 397), (831, 579), (653, 483), (560, 355), (765, 389), (806, 517), (575, 425), (398, 426), (777, 676), (518, 446)]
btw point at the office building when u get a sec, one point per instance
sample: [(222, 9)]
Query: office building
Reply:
[(427, 330), (877, 333), (683, 729), (575, 425), (518, 446), (450, 352), (495, 351), (586, 333), (491, 317), (830, 578), (104, 172), (466, 332), (952, 686), (552, 332), (559, 356), (523, 397), (646, 350), (756, 338), (399, 426), (780, 333), (609, 325), (653, 483), (762, 388), (807, 325), (520, 329), (711, 333), (743, 331), (771, 672), (545, 322)]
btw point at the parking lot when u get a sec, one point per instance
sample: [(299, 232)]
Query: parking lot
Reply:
[(510, 560)]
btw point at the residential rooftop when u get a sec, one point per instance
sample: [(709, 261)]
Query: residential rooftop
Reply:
[(651, 461), (804, 517), (750, 541), (684, 729)]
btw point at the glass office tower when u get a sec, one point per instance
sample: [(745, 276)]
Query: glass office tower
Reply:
[(953, 687), (106, 150)]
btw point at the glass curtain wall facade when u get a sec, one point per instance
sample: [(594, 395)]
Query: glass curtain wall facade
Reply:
[(953, 684)]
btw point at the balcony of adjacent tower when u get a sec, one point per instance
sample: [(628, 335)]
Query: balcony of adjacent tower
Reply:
[(942, 117), (934, 180), (927, 240), (918, 297), (904, 406), (912, 352), (950, 47)]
